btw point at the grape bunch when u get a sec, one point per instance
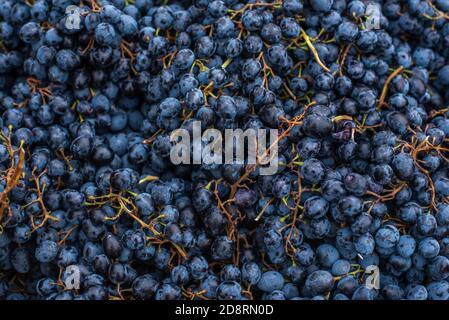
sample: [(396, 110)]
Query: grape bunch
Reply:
[(93, 208)]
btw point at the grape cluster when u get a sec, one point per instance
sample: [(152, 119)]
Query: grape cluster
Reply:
[(92, 207)]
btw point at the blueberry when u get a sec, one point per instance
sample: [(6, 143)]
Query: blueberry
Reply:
[(46, 251), (321, 5), (387, 237), (438, 290), (251, 273)]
